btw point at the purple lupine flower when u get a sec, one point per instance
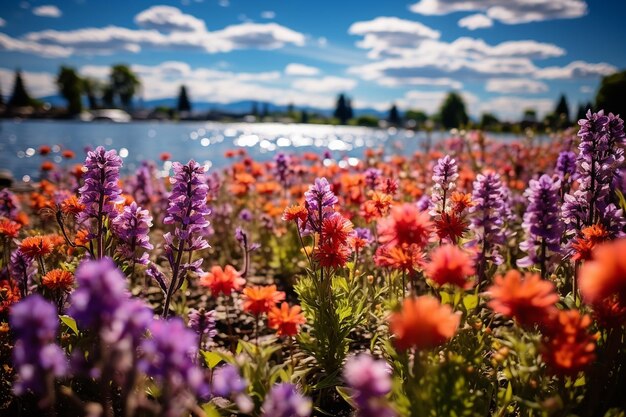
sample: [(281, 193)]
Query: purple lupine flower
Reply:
[(101, 191), (203, 323), (245, 215), (372, 177), (131, 228), (370, 380), (101, 291), (188, 211), (142, 189), (36, 357), (541, 223), (228, 383), (424, 203), (284, 400), (487, 219), (213, 181), (319, 199), (22, 269), (282, 169), (566, 164), (364, 233), (445, 174), (9, 204), (168, 356), (601, 154)]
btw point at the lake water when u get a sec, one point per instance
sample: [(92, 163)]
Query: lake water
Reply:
[(205, 142)]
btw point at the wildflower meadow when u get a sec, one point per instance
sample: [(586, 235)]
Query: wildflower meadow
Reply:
[(475, 277)]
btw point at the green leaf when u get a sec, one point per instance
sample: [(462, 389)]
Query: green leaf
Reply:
[(70, 323), (211, 359), (508, 396), (470, 301), (346, 394)]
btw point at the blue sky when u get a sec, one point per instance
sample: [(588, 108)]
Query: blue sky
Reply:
[(502, 55)]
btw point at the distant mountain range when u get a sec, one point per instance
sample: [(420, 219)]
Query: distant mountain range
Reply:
[(238, 107)]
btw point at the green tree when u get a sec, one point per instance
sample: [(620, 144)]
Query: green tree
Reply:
[(184, 105), (93, 89), (394, 116), (254, 110), (71, 88), (108, 97), (265, 111), (530, 116), (611, 96), (367, 120), (489, 121), (453, 114), (343, 110), (415, 117), (561, 112), (20, 97), (304, 117), (124, 83)]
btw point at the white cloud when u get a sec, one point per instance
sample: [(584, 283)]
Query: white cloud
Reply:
[(515, 86), (164, 28), (38, 84), (301, 70), (512, 108), (430, 101), (169, 19), (507, 11), (384, 33), (576, 69), (268, 14), (328, 84), (476, 21), (8, 43), (47, 11), (424, 81), (2, 22)]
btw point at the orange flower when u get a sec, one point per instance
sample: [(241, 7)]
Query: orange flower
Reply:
[(591, 237), (222, 281), (408, 258), (71, 205), (68, 154), (258, 300), (406, 225), (424, 323), (286, 320), (9, 229), (295, 212), (569, 348), (450, 265), (604, 275), (377, 206), (165, 156), (9, 294), (35, 246), (529, 300), (58, 279), (461, 201), (47, 166), (44, 150)]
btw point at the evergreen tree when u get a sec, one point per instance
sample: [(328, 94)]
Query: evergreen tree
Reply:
[(184, 105), (20, 97), (255, 109), (70, 87), (343, 110), (562, 112), (452, 112), (108, 97), (265, 111), (92, 88), (394, 116), (611, 96), (304, 117)]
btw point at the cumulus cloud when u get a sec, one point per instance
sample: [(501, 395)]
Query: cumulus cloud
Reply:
[(38, 84), (515, 86), (385, 33), (8, 43), (576, 69), (328, 84), (506, 11), (301, 70), (162, 28), (476, 21), (512, 107), (169, 19), (47, 11)]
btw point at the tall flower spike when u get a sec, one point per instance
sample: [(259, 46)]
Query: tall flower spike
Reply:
[(131, 228), (188, 211), (319, 199), (487, 219), (35, 355), (370, 380), (445, 174), (9, 204), (101, 191), (284, 400), (283, 169), (541, 223)]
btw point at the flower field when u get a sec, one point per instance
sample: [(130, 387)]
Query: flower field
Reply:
[(473, 278)]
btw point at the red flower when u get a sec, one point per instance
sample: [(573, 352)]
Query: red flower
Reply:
[(450, 226), (35, 246), (165, 156), (529, 300), (408, 258), (423, 323), (71, 205), (222, 281), (286, 320), (450, 265), (58, 279), (9, 229), (68, 154), (405, 225), (44, 150), (591, 237), (336, 229), (605, 275), (9, 295), (258, 300), (568, 348)]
